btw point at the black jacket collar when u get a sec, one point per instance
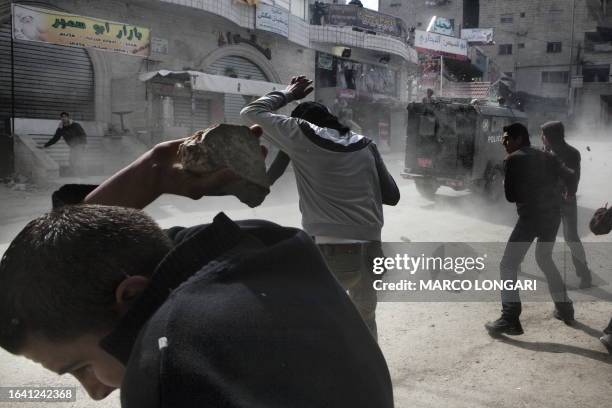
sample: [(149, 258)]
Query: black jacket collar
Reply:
[(182, 262)]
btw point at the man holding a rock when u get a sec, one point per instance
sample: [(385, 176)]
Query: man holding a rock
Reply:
[(231, 314)]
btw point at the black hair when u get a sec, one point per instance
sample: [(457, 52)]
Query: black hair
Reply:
[(318, 115), (64, 114), (516, 130), (554, 132), (59, 275)]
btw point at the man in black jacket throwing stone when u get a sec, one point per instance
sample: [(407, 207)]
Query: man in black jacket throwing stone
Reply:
[(532, 182)]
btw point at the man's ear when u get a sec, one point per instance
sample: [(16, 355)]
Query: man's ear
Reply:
[(128, 290)]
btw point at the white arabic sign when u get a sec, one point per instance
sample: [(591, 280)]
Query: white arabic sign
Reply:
[(478, 35), (425, 41), (273, 19)]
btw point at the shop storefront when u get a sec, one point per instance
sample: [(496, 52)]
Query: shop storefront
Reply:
[(181, 102)]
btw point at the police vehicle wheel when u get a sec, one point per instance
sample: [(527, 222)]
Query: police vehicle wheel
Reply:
[(494, 187), (427, 189)]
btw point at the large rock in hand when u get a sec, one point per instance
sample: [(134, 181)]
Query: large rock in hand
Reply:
[(233, 147)]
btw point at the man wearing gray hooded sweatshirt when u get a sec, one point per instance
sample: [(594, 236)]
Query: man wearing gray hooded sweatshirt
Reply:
[(342, 184)]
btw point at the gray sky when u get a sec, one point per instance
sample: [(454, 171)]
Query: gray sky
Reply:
[(371, 4)]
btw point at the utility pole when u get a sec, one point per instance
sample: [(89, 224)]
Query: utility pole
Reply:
[(441, 73), (12, 70), (570, 98)]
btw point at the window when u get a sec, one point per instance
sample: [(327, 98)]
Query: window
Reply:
[(596, 73), (553, 47), (523, 15), (427, 125), (298, 8), (506, 19), (505, 49), (521, 45), (554, 15), (555, 77)]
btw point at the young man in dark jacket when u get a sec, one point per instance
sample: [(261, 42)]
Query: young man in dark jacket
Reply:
[(342, 184), (532, 182), (229, 314), (76, 139), (553, 137)]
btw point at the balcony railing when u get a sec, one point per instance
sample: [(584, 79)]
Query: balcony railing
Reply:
[(603, 46)]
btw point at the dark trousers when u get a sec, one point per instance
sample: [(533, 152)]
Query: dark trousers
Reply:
[(608, 330), (544, 227), (351, 264), (569, 215)]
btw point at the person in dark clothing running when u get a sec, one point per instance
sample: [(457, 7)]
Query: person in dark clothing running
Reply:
[(230, 314), (532, 182), (76, 139), (553, 137)]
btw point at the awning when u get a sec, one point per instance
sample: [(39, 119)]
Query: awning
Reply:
[(201, 81)]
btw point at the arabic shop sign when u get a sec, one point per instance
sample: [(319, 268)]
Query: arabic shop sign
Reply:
[(478, 35), (366, 19), (442, 26), (438, 44), (272, 19), (55, 27)]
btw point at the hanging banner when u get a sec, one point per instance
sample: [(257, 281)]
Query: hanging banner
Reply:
[(272, 19), (56, 27), (366, 19), (438, 44), (478, 35)]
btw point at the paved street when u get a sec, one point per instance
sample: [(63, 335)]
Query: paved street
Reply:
[(438, 353)]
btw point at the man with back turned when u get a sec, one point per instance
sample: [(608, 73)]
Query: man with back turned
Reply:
[(553, 137)]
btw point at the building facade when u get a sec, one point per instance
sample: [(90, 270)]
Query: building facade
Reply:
[(418, 13), (591, 104), (207, 60), (556, 55), (448, 77)]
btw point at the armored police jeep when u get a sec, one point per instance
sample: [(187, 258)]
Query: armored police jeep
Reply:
[(457, 145)]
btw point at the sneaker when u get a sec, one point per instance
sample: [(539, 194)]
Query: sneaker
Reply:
[(503, 326), (564, 312), (606, 340)]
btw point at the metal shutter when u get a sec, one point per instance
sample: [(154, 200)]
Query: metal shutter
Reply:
[(182, 113), (49, 79), (243, 68), (233, 105)]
